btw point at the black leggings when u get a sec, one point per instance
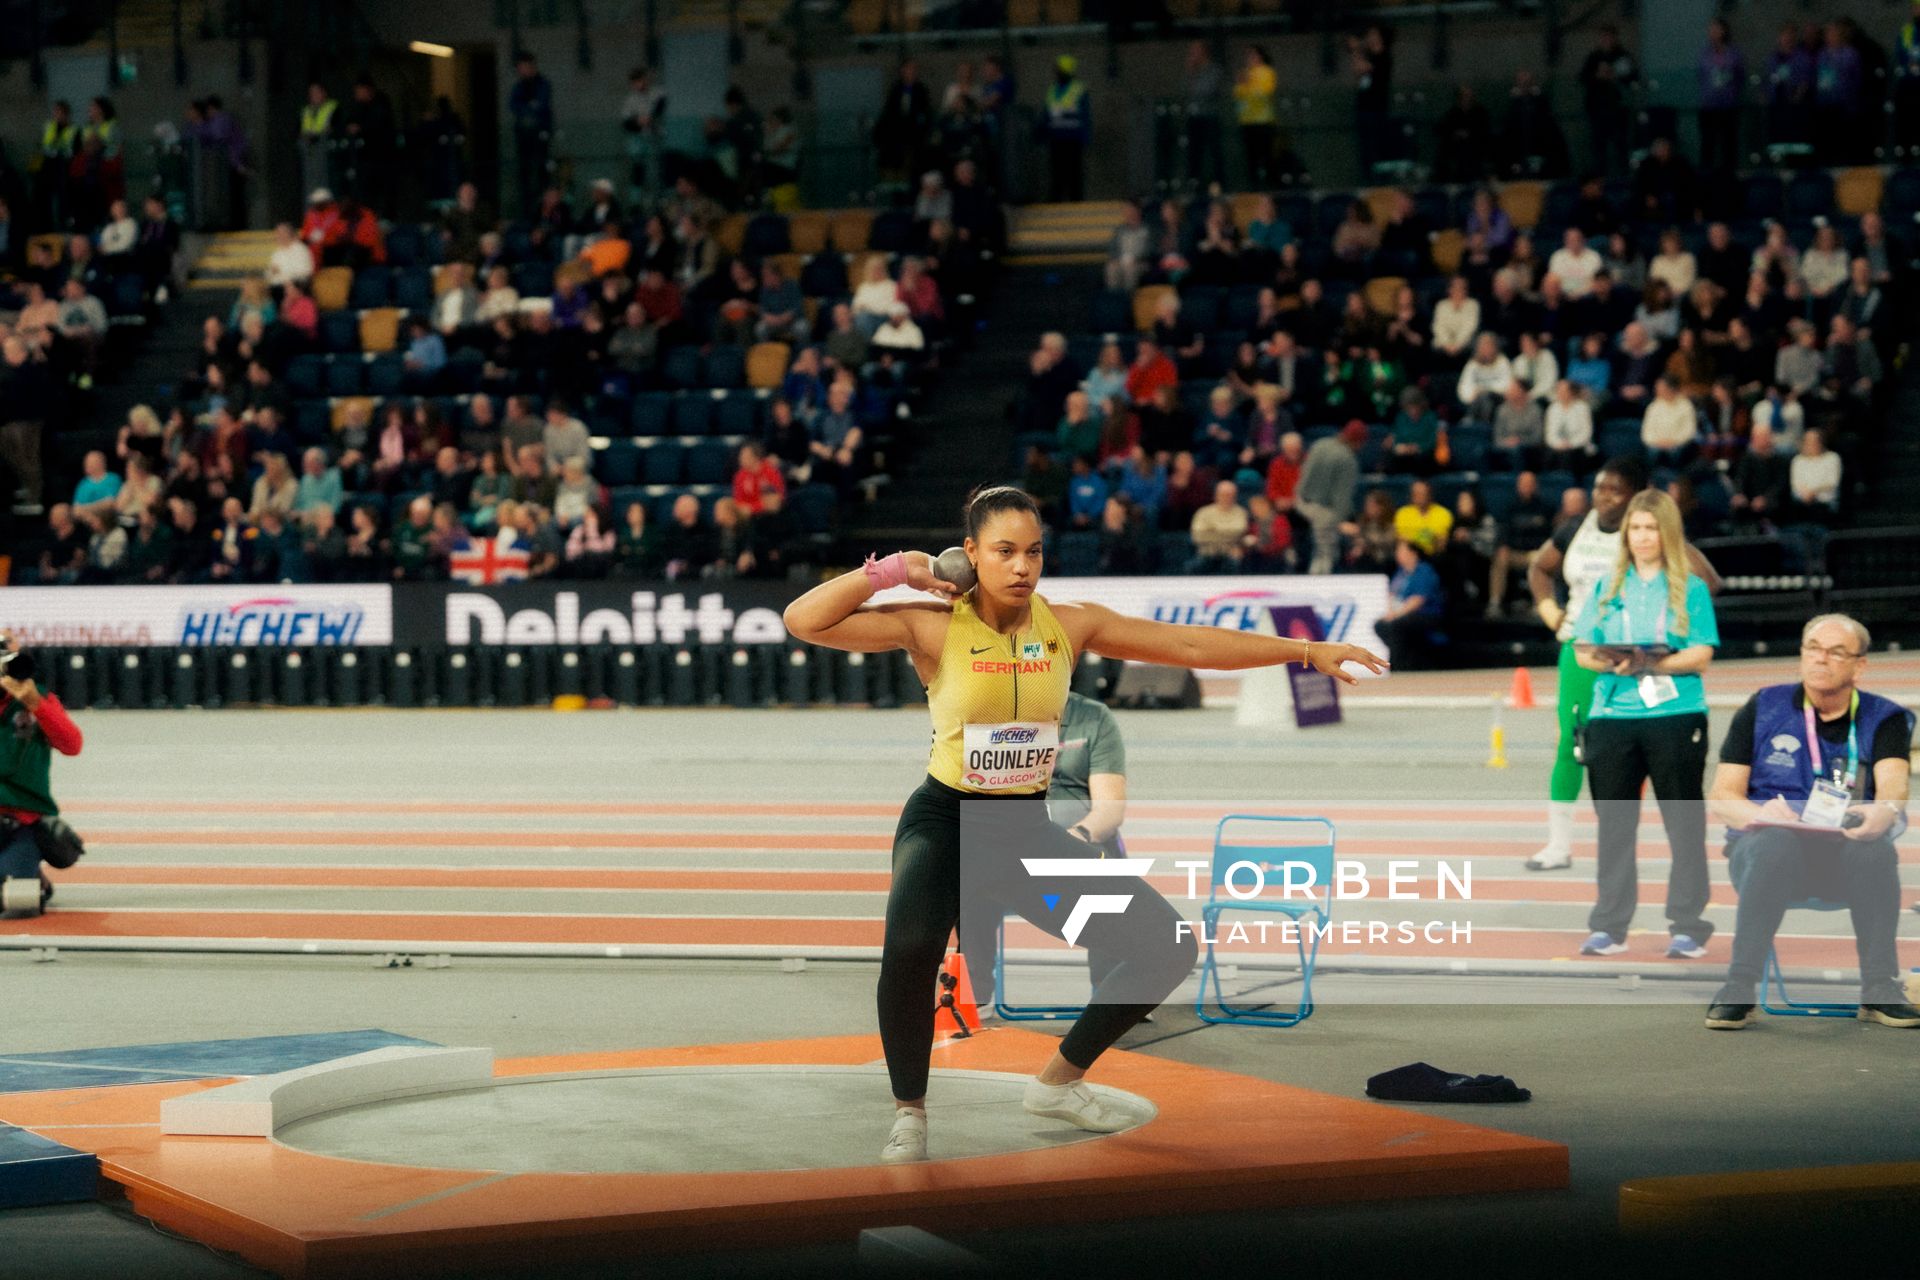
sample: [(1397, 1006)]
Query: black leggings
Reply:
[(1141, 953), (1621, 755)]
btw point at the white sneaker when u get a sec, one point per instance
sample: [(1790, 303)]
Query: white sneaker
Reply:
[(908, 1141), (1558, 853), (1078, 1106)]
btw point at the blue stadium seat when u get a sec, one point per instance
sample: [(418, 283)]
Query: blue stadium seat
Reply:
[(405, 245), (1243, 307), (739, 414), (1810, 194), (813, 506), (312, 421), (339, 331), (661, 463), (516, 244), (345, 376), (1901, 199), (1434, 207), (1499, 499), (1764, 196), (372, 287), (680, 366), (892, 231), (652, 414), (1112, 312), (1555, 483), (1172, 549), (413, 290), (766, 235), (618, 464), (1619, 437), (620, 497), (1297, 212), (461, 376), (1562, 199), (125, 297), (693, 414), (1469, 448), (824, 276), (1330, 210), (1449, 485), (533, 279), (1078, 555), (724, 367), (307, 376), (1201, 305), (709, 462), (386, 375)]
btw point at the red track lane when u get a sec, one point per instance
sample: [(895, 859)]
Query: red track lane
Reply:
[(1487, 891)]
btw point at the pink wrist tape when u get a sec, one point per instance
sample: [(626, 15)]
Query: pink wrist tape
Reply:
[(891, 572)]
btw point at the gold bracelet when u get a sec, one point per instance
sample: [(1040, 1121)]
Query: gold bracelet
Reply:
[(1306, 659)]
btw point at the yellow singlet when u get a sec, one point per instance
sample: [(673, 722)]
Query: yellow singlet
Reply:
[(996, 702)]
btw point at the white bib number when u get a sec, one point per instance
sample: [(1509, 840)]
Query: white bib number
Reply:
[(1018, 753)]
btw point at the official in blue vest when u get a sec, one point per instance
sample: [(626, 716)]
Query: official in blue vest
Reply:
[(1088, 796), (1821, 753)]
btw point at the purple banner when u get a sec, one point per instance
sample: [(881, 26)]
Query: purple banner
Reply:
[(1316, 697)]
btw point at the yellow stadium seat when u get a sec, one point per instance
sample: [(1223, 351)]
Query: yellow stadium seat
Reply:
[(731, 233), (1023, 13), (1380, 203), (767, 365), (1857, 191), (1146, 304), (851, 228), (1246, 207), (443, 277), (1523, 202), (52, 240), (1380, 292), (331, 287), (380, 329), (807, 232), (340, 408), (864, 17), (1449, 247)]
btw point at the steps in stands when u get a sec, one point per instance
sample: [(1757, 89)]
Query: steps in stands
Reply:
[(148, 24), (1063, 234), (231, 258), (965, 436)]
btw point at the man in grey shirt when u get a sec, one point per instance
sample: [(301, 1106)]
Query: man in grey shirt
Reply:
[(564, 436), (1325, 492), (1088, 796), (1206, 87)]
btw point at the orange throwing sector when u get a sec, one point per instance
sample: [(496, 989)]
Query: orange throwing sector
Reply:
[(1521, 695), (954, 1010)]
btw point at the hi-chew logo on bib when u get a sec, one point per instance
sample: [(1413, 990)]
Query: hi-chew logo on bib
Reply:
[(1010, 754)]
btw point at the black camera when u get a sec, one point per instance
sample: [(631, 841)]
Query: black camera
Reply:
[(17, 665)]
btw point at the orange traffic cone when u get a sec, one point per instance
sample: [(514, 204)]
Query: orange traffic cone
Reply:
[(1520, 697), (954, 1011)]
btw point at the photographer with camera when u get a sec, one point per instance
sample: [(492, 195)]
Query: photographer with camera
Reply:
[(33, 725)]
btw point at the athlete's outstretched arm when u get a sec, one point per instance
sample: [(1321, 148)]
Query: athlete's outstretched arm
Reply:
[(832, 614), (1095, 628)]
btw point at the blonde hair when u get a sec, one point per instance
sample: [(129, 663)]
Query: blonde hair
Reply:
[(1673, 551)]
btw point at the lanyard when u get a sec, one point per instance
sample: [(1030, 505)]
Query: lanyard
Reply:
[(1632, 635), (1853, 740)]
